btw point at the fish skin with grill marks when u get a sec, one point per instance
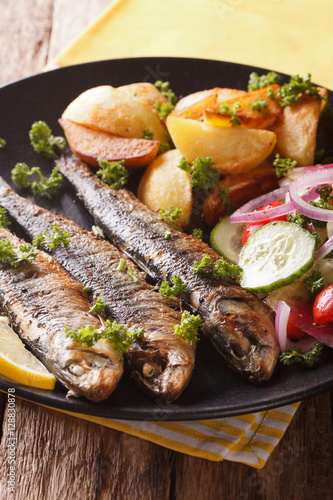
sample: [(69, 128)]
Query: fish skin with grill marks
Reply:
[(160, 362), (40, 299), (237, 322)]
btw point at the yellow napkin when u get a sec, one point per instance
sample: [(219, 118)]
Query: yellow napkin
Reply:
[(290, 36)]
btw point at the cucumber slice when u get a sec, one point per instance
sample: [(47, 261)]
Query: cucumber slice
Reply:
[(276, 255), (226, 239)]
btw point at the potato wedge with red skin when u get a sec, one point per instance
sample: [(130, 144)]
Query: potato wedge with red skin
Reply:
[(296, 129), (89, 145), (242, 188), (249, 118)]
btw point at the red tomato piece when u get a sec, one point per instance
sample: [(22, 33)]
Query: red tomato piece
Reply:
[(323, 306), (294, 332), (250, 227)]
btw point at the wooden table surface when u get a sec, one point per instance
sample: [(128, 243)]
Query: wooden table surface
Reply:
[(59, 457)]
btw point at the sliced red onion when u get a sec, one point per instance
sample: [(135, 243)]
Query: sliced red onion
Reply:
[(246, 214), (281, 322), (324, 250), (322, 333), (309, 180), (313, 168)]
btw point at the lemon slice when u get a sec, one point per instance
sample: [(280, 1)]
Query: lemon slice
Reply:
[(19, 364)]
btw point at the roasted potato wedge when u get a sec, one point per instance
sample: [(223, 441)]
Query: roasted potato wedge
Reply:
[(115, 111), (89, 145), (296, 129), (241, 189), (249, 117), (232, 150), (164, 184), (147, 92)]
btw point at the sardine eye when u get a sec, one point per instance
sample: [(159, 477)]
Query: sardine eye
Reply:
[(77, 370), (148, 370), (237, 350)]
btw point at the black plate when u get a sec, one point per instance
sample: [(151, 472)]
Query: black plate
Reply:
[(214, 390)]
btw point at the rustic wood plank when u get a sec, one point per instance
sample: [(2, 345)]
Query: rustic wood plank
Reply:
[(69, 19), (25, 27), (58, 456)]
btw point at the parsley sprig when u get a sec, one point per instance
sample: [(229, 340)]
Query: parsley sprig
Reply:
[(25, 254), (98, 307), (296, 355), (112, 172), (259, 104), (3, 143), (223, 269), (231, 110), (170, 215), (282, 165), (117, 334), (257, 82), (189, 326), (203, 176), (179, 287), (43, 141), (4, 221), (197, 233), (199, 266), (46, 185), (165, 89), (52, 240), (225, 200), (291, 92), (314, 283)]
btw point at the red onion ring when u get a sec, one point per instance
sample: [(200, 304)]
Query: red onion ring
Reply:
[(324, 250)]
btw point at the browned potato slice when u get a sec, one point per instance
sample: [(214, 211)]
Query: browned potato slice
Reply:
[(191, 99), (242, 188), (250, 118), (89, 145), (147, 92), (164, 184), (196, 110), (115, 111), (232, 150), (296, 129)]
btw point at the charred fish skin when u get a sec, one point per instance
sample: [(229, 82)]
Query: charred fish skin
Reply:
[(238, 323), (161, 363), (41, 299)]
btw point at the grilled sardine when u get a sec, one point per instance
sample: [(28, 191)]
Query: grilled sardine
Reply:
[(237, 322), (41, 298), (160, 362)]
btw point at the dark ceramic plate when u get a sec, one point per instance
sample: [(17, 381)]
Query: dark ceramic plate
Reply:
[(214, 390)]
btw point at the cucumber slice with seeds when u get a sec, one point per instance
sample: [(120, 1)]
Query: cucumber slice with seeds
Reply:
[(276, 255), (226, 239)]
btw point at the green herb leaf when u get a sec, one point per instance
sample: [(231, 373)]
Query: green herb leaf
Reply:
[(291, 92), (164, 146), (165, 89), (3, 143), (225, 200), (113, 173), (257, 82), (167, 235), (188, 328), (179, 286), (46, 185), (296, 355), (223, 269), (314, 283), (197, 233), (325, 193), (259, 104), (121, 265), (283, 165), (98, 231), (4, 221), (203, 176), (170, 214), (24, 255), (148, 134), (231, 110), (98, 306), (87, 289), (132, 274), (163, 109), (270, 93), (53, 240), (44, 142), (117, 334), (199, 266)]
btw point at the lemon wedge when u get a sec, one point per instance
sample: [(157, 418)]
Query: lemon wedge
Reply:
[(19, 364)]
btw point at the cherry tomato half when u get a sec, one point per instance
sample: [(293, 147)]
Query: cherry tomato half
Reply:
[(323, 306), (250, 227), (294, 332)]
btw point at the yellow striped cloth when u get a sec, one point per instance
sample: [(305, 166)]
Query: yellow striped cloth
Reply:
[(291, 36)]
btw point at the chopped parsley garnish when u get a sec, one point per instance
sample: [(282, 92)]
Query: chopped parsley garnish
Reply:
[(171, 291), (121, 265), (98, 231), (167, 235), (296, 355), (282, 165), (170, 214), (257, 82), (87, 289), (188, 328), (4, 221), (290, 92), (132, 274), (259, 104), (203, 176), (117, 334), (98, 306), (113, 173), (44, 142), (148, 134), (325, 192), (46, 185), (231, 110), (165, 89), (163, 109), (223, 269), (270, 93), (314, 283), (25, 254), (225, 200), (164, 146), (2, 143), (199, 266), (53, 240), (303, 221), (197, 233)]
